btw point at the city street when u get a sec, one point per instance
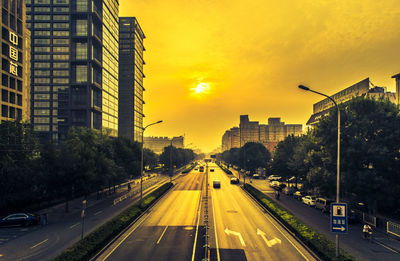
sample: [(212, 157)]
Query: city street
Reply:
[(239, 229), (168, 231), (64, 229), (351, 242)]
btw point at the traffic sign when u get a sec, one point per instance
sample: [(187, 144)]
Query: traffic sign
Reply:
[(339, 218)]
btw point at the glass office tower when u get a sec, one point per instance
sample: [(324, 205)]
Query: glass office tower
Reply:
[(15, 44), (74, 65), (131, 77)]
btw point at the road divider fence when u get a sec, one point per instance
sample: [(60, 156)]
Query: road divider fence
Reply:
[(91, 244), (393, 228), (318, 243), (225, 169)]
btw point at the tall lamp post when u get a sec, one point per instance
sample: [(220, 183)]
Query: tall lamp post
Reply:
[(244, 157), (338, 154), (141, 160)]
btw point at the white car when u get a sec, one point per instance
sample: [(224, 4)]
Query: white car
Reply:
[(274, 183), (274, 177), (309, 200)]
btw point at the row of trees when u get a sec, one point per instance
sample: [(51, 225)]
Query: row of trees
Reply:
[(173, 157), (370, 155), (87, 161)]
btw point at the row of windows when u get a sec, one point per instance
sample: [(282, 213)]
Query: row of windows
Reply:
[(11, 97), (10, 112), (48, 80), (11, 82), (48, 41), (48, 25), (48, 33), (47, 2), (47, 49), (47, 73), (48, 17), (58, 65)]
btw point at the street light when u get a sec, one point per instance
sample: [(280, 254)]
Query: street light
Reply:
[(244, 157), (141, 160), (338, 154)]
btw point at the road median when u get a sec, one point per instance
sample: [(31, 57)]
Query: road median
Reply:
[(98, 239), (318, 243)]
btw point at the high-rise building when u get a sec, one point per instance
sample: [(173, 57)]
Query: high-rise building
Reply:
[(15, 94), (251, 131), (74, 65), (131, 48)]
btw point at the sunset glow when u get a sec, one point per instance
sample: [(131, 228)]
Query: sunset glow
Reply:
[(202, 88)]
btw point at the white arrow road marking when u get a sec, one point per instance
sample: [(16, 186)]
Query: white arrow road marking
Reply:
[(270, 243), (228, 232), (339, 228)]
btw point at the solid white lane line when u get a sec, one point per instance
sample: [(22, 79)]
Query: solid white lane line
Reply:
[(162, 235), (99, 212), (133, 230), (215, 229), (75, 225), (38, 244), (197, 226), (271, 221), (388, 248)]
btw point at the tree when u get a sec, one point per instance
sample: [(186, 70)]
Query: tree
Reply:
[(283, 154), (253, 156)]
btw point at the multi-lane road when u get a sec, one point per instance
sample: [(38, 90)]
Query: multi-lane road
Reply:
[(174, 228)]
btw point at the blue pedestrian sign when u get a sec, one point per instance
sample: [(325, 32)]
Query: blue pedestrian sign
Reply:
[(339, 218)]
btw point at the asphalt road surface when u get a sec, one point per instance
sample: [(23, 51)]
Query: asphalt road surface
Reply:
[(168, 231), (174, 227)]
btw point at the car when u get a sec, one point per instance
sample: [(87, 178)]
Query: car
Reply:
[(274, 183), (20, 219), (274, 177), (289, 190), (323, 204), (216, 184), (298, 195), (256, 176), (309, 200), (211, 170), (234, 180)]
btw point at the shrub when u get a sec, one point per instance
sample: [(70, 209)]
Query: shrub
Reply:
[(322, 246), (226, 170), (189, 169)]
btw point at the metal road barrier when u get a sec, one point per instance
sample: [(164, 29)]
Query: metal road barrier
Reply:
[(393, 228), (369, 219)]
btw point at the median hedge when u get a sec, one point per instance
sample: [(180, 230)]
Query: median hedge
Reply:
[(317, 242), (95, 241), (225, 169), (189, 169)]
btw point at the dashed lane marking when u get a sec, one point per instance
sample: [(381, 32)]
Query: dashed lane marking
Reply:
[(99, 212), (75, 225), (162, 235), (38, 244)]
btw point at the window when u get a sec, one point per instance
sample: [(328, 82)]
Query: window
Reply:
[(61, 26), (42, 80), (42, 18), (42, 88), (42, 96), (42, 56), (42, 9), (61, 80), (81, 27), (60, 17), (41, 104), (44, 49), (42, 65), (41, 120), (42, 41), (42, 33), (61, 73), (41, 128), (41, 72), (81, 51), (42, 2), (42, 25), (4, 111), (81, 6), (61, 9), (61, 33), (60, 2), (61, 49), (60, 65), (41, 112), (60, 41), (4, 95), (60, 57), (81, 73)]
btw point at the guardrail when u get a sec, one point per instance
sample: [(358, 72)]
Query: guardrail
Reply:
[(369, 219), (393, 228)]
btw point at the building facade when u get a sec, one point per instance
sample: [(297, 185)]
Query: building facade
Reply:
[(131, 48), (74, 62), (362, 88), (15, 89), (157, 144), (251, 131)]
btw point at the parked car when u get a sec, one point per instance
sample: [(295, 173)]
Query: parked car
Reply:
[(274, 183), (323, 204), (274, 177), (298, 195), (234, 180), (216, 184), (289, 190), (256, 176), (211, 170), (309, 200), (20, 219)]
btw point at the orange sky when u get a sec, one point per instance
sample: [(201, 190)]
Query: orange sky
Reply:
[(253, 54)]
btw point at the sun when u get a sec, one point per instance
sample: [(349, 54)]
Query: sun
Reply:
[(201, 88)]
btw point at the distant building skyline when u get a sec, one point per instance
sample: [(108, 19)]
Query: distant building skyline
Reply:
[(157, 144), (252, 131)]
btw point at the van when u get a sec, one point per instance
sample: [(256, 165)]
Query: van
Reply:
[(216, 184), (323, 204)]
